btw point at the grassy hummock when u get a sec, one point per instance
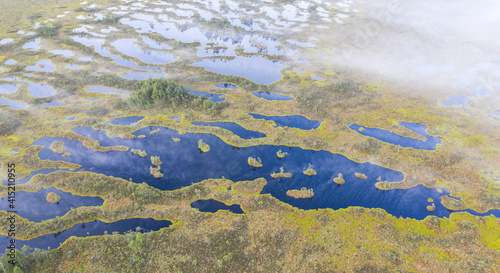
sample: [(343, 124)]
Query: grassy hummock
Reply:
[(339, 179), (360, 175), (301, 194), (203, 146), (53, 198), (155, 171), (281, 174), (281, 154), (155, 160), (310, 171), (255, 162), (154, 132), (139, 152)]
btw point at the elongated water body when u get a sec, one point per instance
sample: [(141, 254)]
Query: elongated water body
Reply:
[(256, 68), (393, 138), (226, 86), (53, 104), (99, 48), (13, 104), (36, 208), (235, 128), (294, 121), (212, 205), (232, 163), (94, 228), (8, 88), (126, 120), (213, 97), (36, 89), (271, 96), (129, 47)]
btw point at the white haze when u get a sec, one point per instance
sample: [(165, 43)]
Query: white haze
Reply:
[(450, 44)]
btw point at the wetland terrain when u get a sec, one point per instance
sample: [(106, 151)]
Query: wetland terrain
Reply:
[(253, 136)]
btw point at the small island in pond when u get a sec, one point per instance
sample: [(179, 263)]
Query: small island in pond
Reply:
[(281, 154), (156, 171), (154, 132), (203, 146), (339, 179), (175, 139), (281, 174), (53, 198), (155, 160), (310, 171), (139, 152), (255, 162), (360, 175), (301, 194)]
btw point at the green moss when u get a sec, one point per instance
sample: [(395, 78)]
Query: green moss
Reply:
[(310, 171), (301, 194), (254, 162), (155, 160), (203, 146), (53, 198)]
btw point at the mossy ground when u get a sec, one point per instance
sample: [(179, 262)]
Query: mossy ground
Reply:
[(271, 236)]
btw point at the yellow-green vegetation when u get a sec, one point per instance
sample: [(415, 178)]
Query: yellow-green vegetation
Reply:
[(430, 200), (361, 129), (360, 175), (281, 154), (58, 147), (402, 242), (249, 187), (139, 152), (155, 160), (324, 240), (431, 207), (301, 194), (154, 131), (310, 171), (175, 139), (281, 174), (254, 162), (452, 204), (53, 197), (203, 146), (141, 136), (155, 171), (339, 179)]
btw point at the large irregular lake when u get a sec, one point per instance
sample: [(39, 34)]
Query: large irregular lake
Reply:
[(184, 164)]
